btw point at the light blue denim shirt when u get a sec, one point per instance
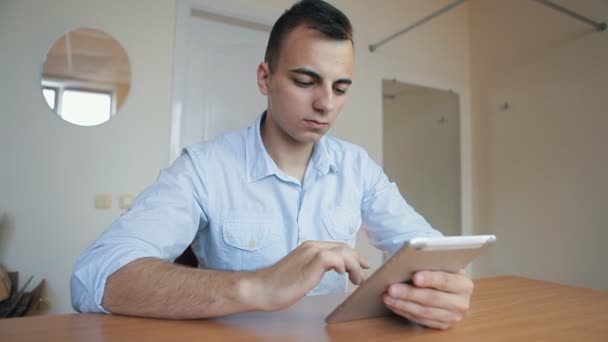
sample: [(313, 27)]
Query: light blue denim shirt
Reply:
[(240, 212)]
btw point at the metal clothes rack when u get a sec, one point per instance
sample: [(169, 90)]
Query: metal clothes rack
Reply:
[(599, 26)]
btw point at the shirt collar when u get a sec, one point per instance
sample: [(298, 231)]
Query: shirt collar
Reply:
[(321, 159), (259, 164)]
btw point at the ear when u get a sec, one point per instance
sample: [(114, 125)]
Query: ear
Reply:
[(263, 74)]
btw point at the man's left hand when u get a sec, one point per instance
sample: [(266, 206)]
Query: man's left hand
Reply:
[(436, 299)]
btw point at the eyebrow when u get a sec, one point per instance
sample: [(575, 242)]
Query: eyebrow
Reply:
[(316, 76)]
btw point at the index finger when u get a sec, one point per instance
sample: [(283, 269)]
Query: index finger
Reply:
[(444, 281)]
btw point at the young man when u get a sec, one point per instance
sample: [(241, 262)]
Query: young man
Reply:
[(271, 211)]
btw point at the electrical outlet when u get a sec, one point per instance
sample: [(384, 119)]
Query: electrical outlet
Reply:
[(103, 201), (126, 201)]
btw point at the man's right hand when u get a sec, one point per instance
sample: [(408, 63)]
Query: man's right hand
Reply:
[(291, 278)]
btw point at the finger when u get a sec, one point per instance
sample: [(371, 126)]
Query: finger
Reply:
[(420, 312), (434, 324), (313, 271), (363, 262), (429, 297), (310, 250), (366, 274), (340, 245), (426, 322), (444, 281), (318, 245), (326, 260), (355, 273), (311, 247), (337, 256), (352, 264)]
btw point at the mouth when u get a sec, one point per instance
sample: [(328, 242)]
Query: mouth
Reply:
[(316, 124)]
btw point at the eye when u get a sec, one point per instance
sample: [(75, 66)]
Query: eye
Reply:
[(340, 91), (303, 84)]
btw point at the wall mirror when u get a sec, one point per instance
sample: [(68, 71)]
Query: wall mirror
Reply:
[(86, 77), (421, 148)]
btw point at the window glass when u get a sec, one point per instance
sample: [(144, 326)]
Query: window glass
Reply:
[(49, 96), (86, 108)]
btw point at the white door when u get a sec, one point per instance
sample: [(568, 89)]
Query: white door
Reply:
[(220, 92)]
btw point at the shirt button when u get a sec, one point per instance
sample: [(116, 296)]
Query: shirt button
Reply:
[(252, 243), (351, 230)]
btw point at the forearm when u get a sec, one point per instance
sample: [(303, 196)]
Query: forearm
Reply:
[(151, 287)]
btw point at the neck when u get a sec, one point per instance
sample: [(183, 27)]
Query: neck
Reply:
[(290, 155)]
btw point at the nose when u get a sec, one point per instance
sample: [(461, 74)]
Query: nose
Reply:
[(323, 100)]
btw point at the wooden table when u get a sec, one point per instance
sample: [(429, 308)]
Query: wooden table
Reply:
[(502, 309)]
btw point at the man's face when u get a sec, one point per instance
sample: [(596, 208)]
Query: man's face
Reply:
[(308, 87)]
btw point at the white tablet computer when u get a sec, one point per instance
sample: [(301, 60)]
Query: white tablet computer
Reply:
[(450, 254)]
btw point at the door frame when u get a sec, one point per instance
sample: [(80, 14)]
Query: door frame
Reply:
[(466, 149), (459, 140), (183, 10)]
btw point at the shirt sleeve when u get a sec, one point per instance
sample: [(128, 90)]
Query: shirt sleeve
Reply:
[(388, 220), (162, 222)]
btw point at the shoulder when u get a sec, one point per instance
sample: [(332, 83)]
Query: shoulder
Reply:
[(342, 151), (227, 145), (353, 161)]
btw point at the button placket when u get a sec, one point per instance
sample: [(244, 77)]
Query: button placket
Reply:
[(301, 235)]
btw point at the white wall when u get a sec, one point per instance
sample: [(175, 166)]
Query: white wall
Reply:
[(543, 162), (51, 170)]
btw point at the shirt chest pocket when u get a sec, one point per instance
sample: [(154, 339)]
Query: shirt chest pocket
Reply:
[(250, 242), (342, 223)]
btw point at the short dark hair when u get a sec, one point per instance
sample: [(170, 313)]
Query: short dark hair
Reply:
[(314, 14)]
